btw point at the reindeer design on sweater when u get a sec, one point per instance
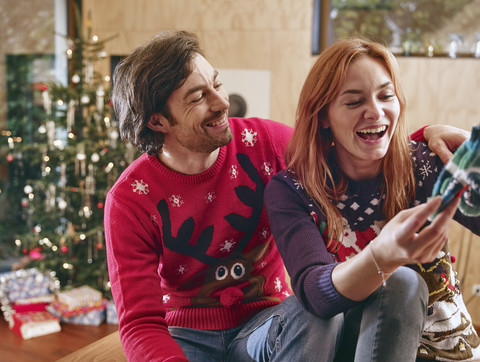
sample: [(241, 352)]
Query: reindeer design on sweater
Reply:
[(227, 281)]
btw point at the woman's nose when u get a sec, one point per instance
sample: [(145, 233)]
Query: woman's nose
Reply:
[(374, 110)]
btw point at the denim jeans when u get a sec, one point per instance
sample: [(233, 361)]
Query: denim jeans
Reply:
[(386, 327), (286, 332)]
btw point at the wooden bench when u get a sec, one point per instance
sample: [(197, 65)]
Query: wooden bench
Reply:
[(106, 349)]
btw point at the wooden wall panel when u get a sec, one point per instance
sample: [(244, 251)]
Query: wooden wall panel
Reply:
[(441, 90), (465, 247), (23, 34), (249, 34)]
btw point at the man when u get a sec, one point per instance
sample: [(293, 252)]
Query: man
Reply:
[(195, 273)]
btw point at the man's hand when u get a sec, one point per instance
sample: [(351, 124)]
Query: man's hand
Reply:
[(444, 140)]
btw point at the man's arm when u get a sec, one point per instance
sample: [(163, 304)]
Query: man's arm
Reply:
[(441, 139)]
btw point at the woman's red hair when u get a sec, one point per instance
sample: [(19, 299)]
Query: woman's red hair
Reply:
[(308, 151)]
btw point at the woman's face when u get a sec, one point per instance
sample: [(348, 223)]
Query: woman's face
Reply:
[(363, 117)]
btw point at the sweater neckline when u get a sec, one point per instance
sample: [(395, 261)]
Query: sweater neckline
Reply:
[(188, 179), (364, 187)]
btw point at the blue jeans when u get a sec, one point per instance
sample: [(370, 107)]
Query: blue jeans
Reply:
[(286, 332), (386, 327)]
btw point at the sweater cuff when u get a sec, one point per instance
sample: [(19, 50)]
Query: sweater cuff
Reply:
[(418, 136)]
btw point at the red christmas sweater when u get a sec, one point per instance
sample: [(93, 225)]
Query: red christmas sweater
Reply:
[(195, 251)]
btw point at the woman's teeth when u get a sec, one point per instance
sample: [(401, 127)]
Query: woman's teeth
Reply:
[(372, 133), (373, 130)]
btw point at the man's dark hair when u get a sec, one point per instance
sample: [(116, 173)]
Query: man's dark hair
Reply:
[(145, 79)]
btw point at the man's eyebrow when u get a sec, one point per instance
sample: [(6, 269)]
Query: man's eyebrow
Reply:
[(201, 86), (357, 91)]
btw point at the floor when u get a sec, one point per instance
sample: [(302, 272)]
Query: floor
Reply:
[(50, 347)]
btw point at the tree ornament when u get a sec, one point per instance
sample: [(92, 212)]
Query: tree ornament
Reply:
[(50, 198), (88, 71), (51, 133), (95, 157), (62, 204), (47, 102), (76, 78), (80, 163), (113, 135), (85, 99), (36, 254), (62, 182), (100, 98), (70, 119)]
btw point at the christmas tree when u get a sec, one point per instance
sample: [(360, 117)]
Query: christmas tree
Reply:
[(61, 160)]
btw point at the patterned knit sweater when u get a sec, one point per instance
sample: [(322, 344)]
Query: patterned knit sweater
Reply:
[(195, 251), (300, 229)]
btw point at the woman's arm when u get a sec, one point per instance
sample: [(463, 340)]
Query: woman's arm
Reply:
[(300, 243), (326, 288)]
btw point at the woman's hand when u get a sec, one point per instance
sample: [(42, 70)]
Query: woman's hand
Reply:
[(404, 240)]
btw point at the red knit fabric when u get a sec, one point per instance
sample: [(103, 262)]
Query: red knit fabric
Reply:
[(418, 136), (194, 250)]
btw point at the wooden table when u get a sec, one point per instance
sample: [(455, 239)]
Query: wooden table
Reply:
[(106, 349), (50, 347)]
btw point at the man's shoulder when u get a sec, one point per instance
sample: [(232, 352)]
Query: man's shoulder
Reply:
[(262, 132), (259, 124), (135, 170)]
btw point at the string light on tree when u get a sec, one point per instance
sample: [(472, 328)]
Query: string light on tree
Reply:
[(63, 171)]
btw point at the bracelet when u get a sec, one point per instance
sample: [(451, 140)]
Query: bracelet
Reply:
[(380, 271)]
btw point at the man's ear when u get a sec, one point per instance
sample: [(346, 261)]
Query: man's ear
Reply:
[(157, 122)]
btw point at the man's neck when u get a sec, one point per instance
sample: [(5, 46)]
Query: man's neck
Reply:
[(190, 163)]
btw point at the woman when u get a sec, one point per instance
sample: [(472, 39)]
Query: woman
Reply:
[(336, 215)]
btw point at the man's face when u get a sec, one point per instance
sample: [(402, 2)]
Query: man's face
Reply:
[(198, 112)]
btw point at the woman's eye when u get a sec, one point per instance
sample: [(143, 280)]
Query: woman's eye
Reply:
[(353, 103), (218, 85)]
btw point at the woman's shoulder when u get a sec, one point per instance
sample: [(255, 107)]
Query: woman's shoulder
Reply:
[(283, 183), (422, 156), (286, 177)]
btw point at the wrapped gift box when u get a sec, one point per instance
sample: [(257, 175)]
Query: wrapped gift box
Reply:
[(34, 324), (19, 286), (84, 296), (34, 304), (86, 315), (27, 283), (112, 317), (92, 318)]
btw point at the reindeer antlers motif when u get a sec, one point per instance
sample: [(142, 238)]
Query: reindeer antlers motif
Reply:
[(250, 197)]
